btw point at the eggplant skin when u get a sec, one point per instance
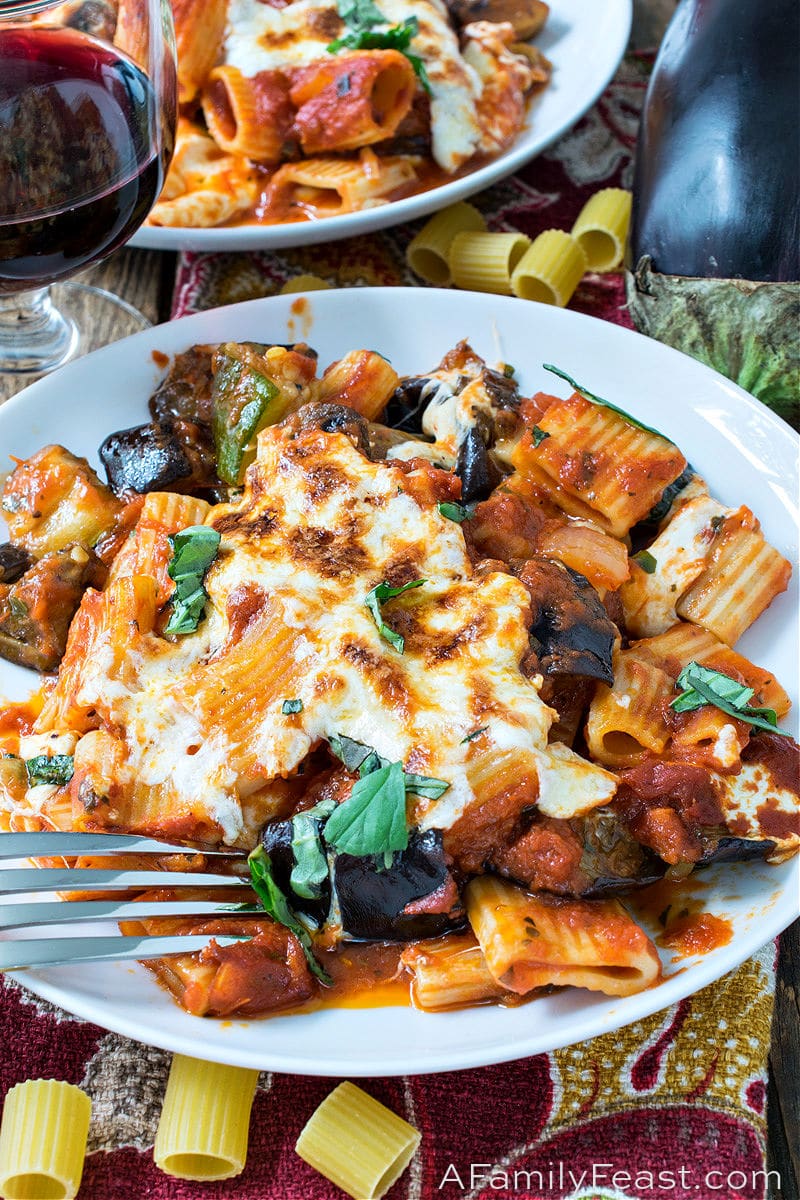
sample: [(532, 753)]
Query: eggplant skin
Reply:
[(736, 849), (478, 473), (372, 901), (276, 838), (147, 458), (715, 187), (571, 633), (14, 562)]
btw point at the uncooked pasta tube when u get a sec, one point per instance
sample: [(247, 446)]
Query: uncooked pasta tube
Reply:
[(485, 262), (428, 254), (550, 270), (602, 228), (357, 1143), (203, 1130), (43, 1140)]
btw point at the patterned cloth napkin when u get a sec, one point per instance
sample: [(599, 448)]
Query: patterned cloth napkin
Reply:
[(672, 1106)]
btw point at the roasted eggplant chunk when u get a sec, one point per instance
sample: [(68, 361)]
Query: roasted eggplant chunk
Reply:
[(276, 838), (14, 562), (478, 472), (185, 393), (334, 418), (147, 458), (571, 632), (415, 897), (36, 610), (526, 16)]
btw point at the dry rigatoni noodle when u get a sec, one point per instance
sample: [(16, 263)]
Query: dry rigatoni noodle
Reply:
[(485, 262), (203, 1131), (43, 1140), (304, 283), (357, 1143), (550, 270), (601, 229), (428, 254)]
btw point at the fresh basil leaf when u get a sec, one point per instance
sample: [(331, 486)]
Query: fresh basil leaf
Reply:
[(475, 733), (378, 596), (508, 370), (660, 510), (57, 770), (593, 399), (646, 561), (360, 14), (372, 820), (276, 906), (425, 785), (703, 685), (310, 868), (538, 436), (456, 512), (291, 706), (193, 551), (352, 753)]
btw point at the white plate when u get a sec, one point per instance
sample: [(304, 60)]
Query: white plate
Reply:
[(745, 452), (585, 41)]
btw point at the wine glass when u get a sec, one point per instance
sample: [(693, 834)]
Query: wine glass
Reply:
[(87, 124)]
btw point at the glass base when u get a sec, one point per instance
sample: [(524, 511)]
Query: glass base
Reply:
[(43, 329)]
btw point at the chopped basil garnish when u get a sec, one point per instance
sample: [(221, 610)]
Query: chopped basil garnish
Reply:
[(276, 906), (310, 868), (425, 785), (193, 551), (291, 706), (456, 512), (646, 561), (704, 685), (475, 733), (372, 820), (538, 436), (362, 16), (57, 770), (358, 757), (378, 596), (593, 399), (508, 370), (352, 753)]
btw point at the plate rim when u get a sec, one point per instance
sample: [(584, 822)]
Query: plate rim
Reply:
[(410, 208), (700, 973)]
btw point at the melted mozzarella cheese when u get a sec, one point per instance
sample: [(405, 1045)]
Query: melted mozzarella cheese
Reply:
[(755, 806), (317, 528)]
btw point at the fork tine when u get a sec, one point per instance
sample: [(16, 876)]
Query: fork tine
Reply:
[(21, 916), (90, 879), (54, 842), (40, 952)]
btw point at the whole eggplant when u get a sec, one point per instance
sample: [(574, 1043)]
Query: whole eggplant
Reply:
[(715, 227)]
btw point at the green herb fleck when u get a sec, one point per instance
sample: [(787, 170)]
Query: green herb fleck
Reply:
[(378, 596), (646, 561), (19, 608), (593, 399), (57, 770), (362, 16), (310, 868), (193, 551), (703, 685), (291, 706), (538, 436), (475, 733), (276, 905), (508, 370), (456, 512)]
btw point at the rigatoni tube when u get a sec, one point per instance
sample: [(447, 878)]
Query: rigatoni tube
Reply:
[(43, 1140), (203, 1130), (484, 262), (428, 254), (550, 270), (357, 1143), (601, 229)]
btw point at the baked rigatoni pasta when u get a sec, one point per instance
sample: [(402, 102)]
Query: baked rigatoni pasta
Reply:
[(204, 1124), (383, 633), (357, 1143), (43, 1139), (279, 86)]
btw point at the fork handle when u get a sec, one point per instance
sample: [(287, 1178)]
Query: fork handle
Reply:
[(53, 842)]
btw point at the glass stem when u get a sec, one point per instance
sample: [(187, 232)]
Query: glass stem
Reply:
[(34, 336)]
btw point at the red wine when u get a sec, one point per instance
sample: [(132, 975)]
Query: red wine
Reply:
[(80, 165)]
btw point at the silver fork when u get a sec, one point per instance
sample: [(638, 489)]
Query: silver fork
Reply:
[(16, 953)]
